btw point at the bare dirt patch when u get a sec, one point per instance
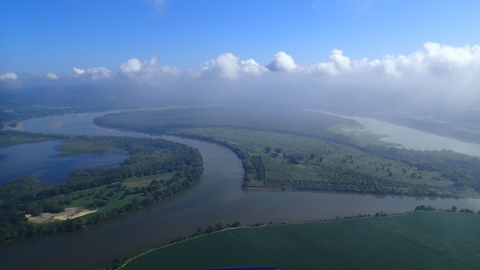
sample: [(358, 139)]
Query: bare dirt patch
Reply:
[(69, 213)]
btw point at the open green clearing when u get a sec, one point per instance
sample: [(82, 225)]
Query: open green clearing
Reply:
[(417, 240), (154, 170), (78, 146), (284, 161), (294, 149), (300, 157), (115, 196), (8, 138)]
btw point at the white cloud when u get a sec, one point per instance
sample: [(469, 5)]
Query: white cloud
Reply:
[(230, 66), (132, 65), (149, 71), (434, 61), (78, 71), (434, 68), (51, 76), (252, 67), (282, 62), (8, 76), (99, 73), (95, 73)]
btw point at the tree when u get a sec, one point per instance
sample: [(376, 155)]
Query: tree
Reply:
[(268, 149), (209, 229), (237, 223), (221, 226), (454, 208)]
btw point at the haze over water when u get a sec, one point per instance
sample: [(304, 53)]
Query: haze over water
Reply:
[(412, 139)]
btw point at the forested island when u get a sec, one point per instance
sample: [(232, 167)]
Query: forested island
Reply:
[(154, 170), (302, 153)]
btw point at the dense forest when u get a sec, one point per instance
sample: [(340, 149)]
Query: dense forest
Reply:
[(147, 157)]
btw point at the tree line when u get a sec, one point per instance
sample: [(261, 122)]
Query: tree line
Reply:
[(147, 157)]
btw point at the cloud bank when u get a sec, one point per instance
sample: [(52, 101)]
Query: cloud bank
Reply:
[(96, 73), (51, 76), (8, 76), (436, 73)]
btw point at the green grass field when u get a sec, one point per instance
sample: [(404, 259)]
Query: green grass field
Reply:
[(318, 151), (73, 147), (113, 195), (309, 151), (7, 139), (418, 240)]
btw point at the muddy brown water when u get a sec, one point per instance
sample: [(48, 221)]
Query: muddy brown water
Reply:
[(217, 196)]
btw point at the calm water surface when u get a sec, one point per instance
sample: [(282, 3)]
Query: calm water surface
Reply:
[(413, 139), (218, 196), (44, 161)]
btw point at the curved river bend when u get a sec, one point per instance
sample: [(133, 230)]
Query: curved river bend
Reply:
[(218, 196)]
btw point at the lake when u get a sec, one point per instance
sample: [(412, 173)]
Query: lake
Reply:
[(47, 162), (217, 196)]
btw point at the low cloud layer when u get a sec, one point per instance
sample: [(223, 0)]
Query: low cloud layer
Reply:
[(93, 74), (51, 76), (229, 66), (436, 74), (8, 76)]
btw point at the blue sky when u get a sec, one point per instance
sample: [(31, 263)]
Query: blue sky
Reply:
[(54, 36)]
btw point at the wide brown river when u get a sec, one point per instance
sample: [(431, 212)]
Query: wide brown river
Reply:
[(218, 196)]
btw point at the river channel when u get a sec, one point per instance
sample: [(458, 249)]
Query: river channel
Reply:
[(217, 196)]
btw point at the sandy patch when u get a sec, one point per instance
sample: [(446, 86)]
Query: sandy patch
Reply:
[(69, 213)]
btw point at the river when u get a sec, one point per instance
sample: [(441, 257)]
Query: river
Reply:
[(217, 196)]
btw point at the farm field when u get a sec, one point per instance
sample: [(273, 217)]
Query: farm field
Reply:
[(417, 240)]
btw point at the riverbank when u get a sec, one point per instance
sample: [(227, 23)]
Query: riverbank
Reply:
[(427, 240), (218, 196), (306, 155)]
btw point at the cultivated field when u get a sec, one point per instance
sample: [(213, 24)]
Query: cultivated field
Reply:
[(418, 240)]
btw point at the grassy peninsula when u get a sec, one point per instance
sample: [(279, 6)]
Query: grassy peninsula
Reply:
[(305, 154)]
